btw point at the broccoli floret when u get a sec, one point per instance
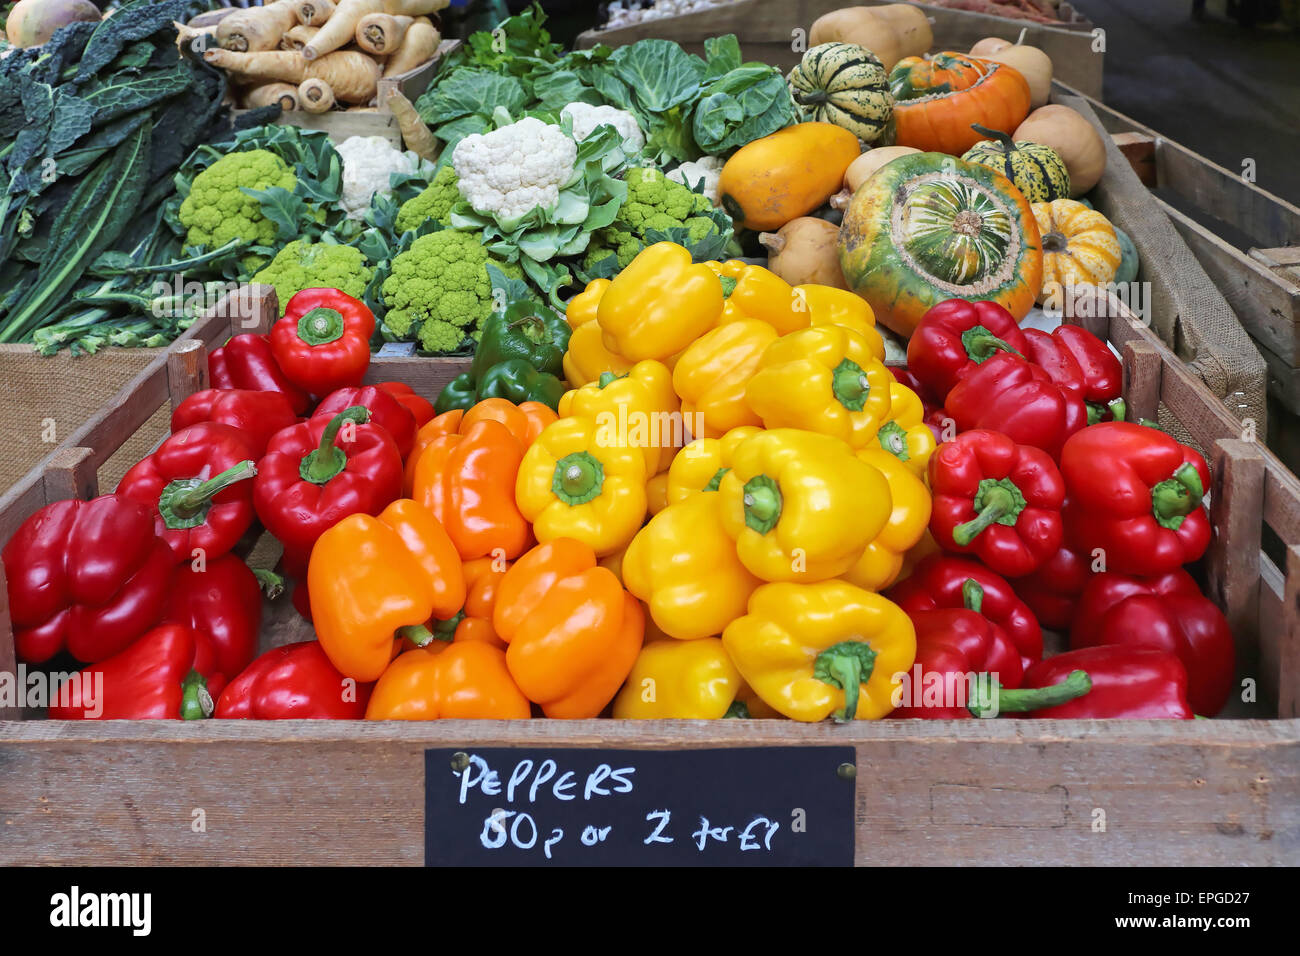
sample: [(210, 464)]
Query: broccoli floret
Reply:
[(216, 211), (441, 284), (309, 265), (653, 202), (434, 203)]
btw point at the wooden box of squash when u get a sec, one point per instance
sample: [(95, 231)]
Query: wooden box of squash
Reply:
[(1015, 791)]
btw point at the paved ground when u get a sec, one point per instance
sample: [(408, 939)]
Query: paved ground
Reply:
[(1227, 92)]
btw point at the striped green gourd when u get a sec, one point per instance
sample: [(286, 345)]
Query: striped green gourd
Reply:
[(844, 84), (1037, 170)]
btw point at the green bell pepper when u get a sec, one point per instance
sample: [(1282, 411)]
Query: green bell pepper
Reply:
[(525, 330), (458, 393), (517, 381)]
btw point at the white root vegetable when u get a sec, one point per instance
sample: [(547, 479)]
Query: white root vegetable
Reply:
[(352, 75), (297, 37), (418, 138), (210, 18), (340, 29), (314, 13), (315, 96), (286, 94), (804, 251), (414, 8), (256, 28), (381, 33), (197, 39), (418, 47)]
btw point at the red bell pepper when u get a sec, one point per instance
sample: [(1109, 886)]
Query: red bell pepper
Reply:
[(154, 678), (1136, 494), (955, 649), (940, 582), (293, 682), (90, 576), (259, 415), (1009, 395), (1052, 591), (1167, 613), (323, 340), (954, 337), (418, 406), (1075, 358), (306, 483), (247, 362), (998, 500), (1127, 682), (385, 409), (198, 483), (223, 604)]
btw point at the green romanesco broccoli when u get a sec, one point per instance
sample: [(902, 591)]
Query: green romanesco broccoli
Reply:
[(441, 285), (653, 202), (216, 211), (310, 265), (434, 203)]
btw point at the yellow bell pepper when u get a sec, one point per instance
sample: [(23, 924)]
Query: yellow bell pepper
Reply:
[(684, 566), (656, 492), (701, 464), (712, 373), (822, 379), (763, 295), (801, 506), (905, 435), (587, 358), (581, 309), (882, 561), (827, 305), (576, 482), (659, 304), (691, 680), (918, 553), (816, 650), (640, 408)]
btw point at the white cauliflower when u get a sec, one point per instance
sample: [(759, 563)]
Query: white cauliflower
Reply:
[(368, 161), (511, 171), (706, 168), (587, 117)]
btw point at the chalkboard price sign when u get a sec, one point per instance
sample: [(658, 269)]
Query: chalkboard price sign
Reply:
[(763, 806)]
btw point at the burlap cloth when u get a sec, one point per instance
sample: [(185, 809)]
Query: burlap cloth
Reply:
[(44, 400), (1185, 308)]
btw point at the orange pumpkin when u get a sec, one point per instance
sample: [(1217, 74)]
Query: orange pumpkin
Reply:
[(937, 100)]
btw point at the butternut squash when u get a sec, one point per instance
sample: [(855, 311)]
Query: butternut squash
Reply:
[(1075, 140), (788, 174), (1032, 63), (891, 32), (988, 46), (803, 251)]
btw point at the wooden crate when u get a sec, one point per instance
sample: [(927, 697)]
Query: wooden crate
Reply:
[(769, 32), (1246, 238), (1205, 792)]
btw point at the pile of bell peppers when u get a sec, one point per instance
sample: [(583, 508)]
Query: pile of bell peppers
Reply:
[(700, 493)]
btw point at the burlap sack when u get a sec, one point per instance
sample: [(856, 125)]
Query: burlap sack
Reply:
[(44, 400), (1185, 308)]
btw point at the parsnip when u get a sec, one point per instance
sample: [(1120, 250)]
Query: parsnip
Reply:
[(286, 94), (210, 18), (340, 29), (256, 28), (381, 33), (315, 96), (314, 13), (414, 8), (418, 47), (297, 37), (352, 75), (186, 37), (418, 138)]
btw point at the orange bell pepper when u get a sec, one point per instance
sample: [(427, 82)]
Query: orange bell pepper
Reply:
[(468, 481), (525, 422), (474, 622), (464, 681), (574, 633), (373, 580)]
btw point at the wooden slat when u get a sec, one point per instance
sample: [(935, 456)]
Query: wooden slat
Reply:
[(71, 473), (426, 375), (8, 657), (1140, 151), (1233, 560), (1288, 650), (187, 370), (252, 311), (1142, 373), (1272, 631)]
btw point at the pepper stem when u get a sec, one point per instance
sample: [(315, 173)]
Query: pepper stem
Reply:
[(320, 326), (446, 630), (1175, 498), (716, 481), (849, 385), (196, 702), (1024, 699), (272, 584), (606, 378), (328, 460), (1003, 139), (185, 503), (729, 284), (998, 501), (893, 438), (981, 344), (972, 595), (738, 710), (417, 634), (846, 665), (578, 478), (1116, 406), (762, 500)]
